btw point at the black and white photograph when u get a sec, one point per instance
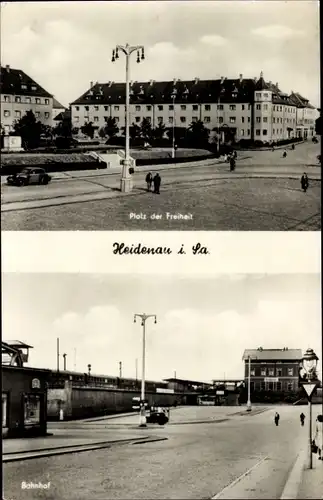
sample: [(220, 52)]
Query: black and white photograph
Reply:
[(161, 387), (179, 116)]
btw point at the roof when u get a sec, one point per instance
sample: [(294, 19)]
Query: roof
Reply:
[(57, 104), (14, 81), (17, 344), (273, 354), (183, 381), (64, 115), (25, 368), (188, 91)]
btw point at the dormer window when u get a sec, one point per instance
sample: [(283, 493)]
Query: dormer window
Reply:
[(33, 87), (23, 86)]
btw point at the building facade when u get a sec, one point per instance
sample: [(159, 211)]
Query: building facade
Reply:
[(247, 108), (272, 369), (18, 94)]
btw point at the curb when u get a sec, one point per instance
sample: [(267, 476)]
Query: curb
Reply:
[(291, 487)]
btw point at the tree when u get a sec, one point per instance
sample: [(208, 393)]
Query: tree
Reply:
[(29, 129), (64, 127), (198, 133), (180, 134), (146, 130), (159, 131), (102, 133), (111, 129), (88, 129), (134, 131)]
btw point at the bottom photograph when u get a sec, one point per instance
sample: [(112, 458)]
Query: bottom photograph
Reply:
[(161, 387)]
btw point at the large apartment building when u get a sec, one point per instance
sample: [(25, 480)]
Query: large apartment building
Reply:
[(247, 108), (18, 94), (272, 369)]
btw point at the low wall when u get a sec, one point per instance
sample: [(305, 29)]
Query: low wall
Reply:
[(86, 402)]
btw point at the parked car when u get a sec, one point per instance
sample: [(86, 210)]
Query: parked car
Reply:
[(157, 416), (29, 175)]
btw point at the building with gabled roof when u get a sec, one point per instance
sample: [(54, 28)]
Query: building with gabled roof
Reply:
[(246, 108), (19, 93), (272, 369)]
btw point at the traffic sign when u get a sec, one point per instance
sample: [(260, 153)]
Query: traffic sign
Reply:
[(309, 388)]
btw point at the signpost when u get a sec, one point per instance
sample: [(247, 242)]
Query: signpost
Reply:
[(309, 389)]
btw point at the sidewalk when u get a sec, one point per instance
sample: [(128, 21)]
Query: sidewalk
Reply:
[(311, 486)]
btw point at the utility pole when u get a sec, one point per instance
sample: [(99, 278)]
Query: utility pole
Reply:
[(120, 369), (57, 351), (64, 357)]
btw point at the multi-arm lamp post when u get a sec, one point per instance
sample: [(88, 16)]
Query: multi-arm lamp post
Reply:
[(309, 364), (126, 179), (143, 317)]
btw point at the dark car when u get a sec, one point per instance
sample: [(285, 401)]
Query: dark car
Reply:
[(29, 175), (157, 416)]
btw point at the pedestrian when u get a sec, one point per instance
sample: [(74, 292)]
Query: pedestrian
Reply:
[(232, 163), (149, 180), (304, 182), (157, 181), (302, 419), (318, 438), (276, 418), (293, 147), (284, 154)]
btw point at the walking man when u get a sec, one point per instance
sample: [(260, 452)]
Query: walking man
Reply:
[(157, 181), (276, 418), (302, 419), (149, 181), (304, 182)]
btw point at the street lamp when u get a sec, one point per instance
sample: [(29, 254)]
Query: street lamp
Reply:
[(64, 357), (173, 96), (218, 109), (144, 317), (126, 179), (309, 362)]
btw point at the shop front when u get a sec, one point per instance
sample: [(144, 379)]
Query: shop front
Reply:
[(24, 401)]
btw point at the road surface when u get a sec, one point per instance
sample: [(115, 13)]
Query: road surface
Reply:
[(198, 460)]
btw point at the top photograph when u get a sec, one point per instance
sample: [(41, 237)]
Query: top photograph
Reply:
[(160, 116)]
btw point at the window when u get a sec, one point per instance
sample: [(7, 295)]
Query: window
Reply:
[(183, 107), (37, 100), (106, 118), (290, 386), (252, 372), (116, 119), (262, 386), (6, 98), (148, 108), (264, 132), (207, 107), (194, 119), (6, 112), (23, 86), (171, 119), (242, 131), (258, 106), (290, 372), (271, 372), (77, 119), (17, 99), (46, 114), (137, 119), (232, 107), (37, 114), (106, 108), (86, 108), (171, 107), (265, 107), (274, 120), (249, 106), (86, 118), (263, 370), (232, 119), (195, 107), (148, 118), (96, 118), (258, 95), (160, 119), (274, 108), (248, 131), (137, 108), (265, 95), (17, 114), (278, 386), (258, 119), (220, 107), (116, 108), (207, 119), (270, 386), (279, 372), (46, 101), (248, 119), (33, 87), (183, 119), (28, 100), (273, 131), (220, 119), (160, 107), (242, 107), (77, 108), (242, 119), (96, 108), (265, 119)]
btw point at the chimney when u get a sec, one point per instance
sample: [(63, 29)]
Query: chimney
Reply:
[(261, 74), (277, 84), (7, 68), (174, 81), (255, 79), (240, 77), (91, 85), (196, 80), (110, 84), (151, 82)]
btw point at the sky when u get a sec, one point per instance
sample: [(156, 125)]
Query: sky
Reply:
[(66, 45), (203, 323)]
